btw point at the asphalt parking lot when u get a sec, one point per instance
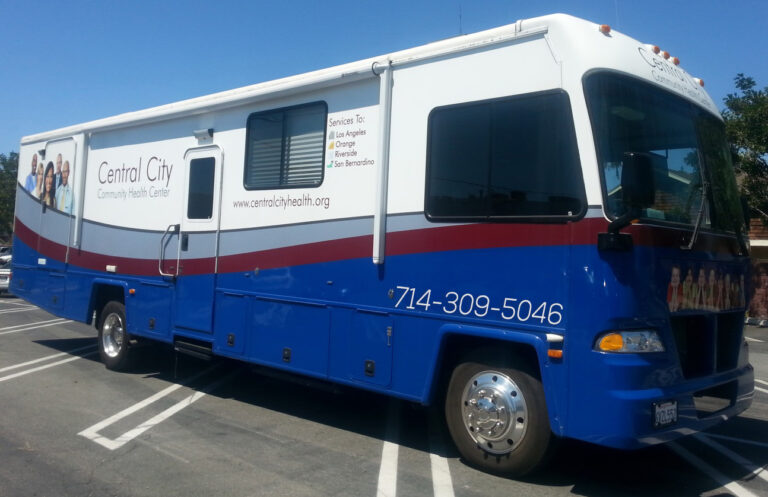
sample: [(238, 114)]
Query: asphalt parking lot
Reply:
[(178, 426)]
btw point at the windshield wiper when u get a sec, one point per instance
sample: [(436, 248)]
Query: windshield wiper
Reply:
[(735, 224), (700, 216), (740, 237), (705, 195)]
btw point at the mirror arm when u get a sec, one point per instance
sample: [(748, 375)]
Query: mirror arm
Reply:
[(615, 241), (623, 221)]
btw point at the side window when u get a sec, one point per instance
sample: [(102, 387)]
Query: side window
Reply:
[(285, 147), (512, 158), (201, 180)]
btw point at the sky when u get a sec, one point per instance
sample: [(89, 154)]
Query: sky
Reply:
[(69, 62)]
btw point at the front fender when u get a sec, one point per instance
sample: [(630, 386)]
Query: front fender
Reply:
[(551, 371)]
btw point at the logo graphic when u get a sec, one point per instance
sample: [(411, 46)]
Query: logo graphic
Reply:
[(331, 137)]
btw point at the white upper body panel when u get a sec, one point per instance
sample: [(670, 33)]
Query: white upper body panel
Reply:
[(135, 168)]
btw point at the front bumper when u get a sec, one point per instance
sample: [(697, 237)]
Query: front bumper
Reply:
[(624, 418)]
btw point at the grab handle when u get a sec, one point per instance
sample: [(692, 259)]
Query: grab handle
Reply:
[(173, 228)]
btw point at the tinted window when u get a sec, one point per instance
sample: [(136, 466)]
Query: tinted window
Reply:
[(285, 147), (507, 158), (201, 179)]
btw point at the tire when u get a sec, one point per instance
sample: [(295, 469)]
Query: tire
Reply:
[(114, 342), (497, 417)]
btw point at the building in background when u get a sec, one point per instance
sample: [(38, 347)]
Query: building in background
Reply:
[(757, 311)]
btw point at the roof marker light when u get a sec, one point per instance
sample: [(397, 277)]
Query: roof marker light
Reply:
[(699, 81), (665, 54), (656, 49), (676, 61), (605, 29)]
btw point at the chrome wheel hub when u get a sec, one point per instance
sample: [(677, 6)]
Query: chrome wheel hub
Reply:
[(494, 412), (112, 335)]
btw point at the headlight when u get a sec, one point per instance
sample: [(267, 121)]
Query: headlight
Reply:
[(635, 341)]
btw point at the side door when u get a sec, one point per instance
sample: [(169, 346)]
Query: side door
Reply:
[(57, 206), (198, 240)]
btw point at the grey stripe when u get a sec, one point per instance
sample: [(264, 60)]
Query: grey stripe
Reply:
[(119, 242), (144, 244), (139, 244), (55, 225), (252, 240), (413, 221), (27, 208)]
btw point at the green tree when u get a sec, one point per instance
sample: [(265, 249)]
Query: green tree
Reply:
[(746, 124), (9, 166)]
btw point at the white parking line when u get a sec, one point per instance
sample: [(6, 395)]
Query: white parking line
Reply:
[(387, 486), (739, 440), (762, 383), (32, 326), (92, 433), (710, 471), (18, 309), (40, 368), (46, 358), (18, 303), (737, 458), (442, 484)]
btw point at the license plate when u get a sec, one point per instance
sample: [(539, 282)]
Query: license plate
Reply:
[(664, 413)]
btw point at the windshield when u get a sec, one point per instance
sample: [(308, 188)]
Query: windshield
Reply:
[(685, 144)]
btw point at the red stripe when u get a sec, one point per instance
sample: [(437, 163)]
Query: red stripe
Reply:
[(437, 239), (51, 249), (310, 253), (24, 234), (476, 236), (98, 262)]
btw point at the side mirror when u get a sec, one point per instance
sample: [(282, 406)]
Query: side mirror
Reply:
[(638, 192), (637, 181)]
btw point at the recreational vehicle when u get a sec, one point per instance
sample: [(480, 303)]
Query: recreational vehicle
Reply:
[(535, 227)]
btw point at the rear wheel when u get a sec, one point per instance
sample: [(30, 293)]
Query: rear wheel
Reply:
[(497, 416), (114, 343)]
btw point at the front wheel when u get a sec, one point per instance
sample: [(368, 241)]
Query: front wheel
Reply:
[(497, 417), (114, 342)]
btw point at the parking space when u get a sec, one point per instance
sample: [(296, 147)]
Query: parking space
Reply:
[(178, 426)]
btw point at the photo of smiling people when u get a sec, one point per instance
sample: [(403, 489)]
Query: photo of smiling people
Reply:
[(52, 181), (674, 291), (64, 191), (57, 174), (39, 180), (31, 180), (48, 194), (715, 289)]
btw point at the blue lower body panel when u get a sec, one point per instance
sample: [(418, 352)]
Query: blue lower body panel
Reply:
[(382, 328)]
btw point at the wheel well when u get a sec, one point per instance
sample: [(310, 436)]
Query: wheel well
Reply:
[(459, 348), (102, 294)]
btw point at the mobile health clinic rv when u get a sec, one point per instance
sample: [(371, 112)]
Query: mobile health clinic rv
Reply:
[(536, 227)]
